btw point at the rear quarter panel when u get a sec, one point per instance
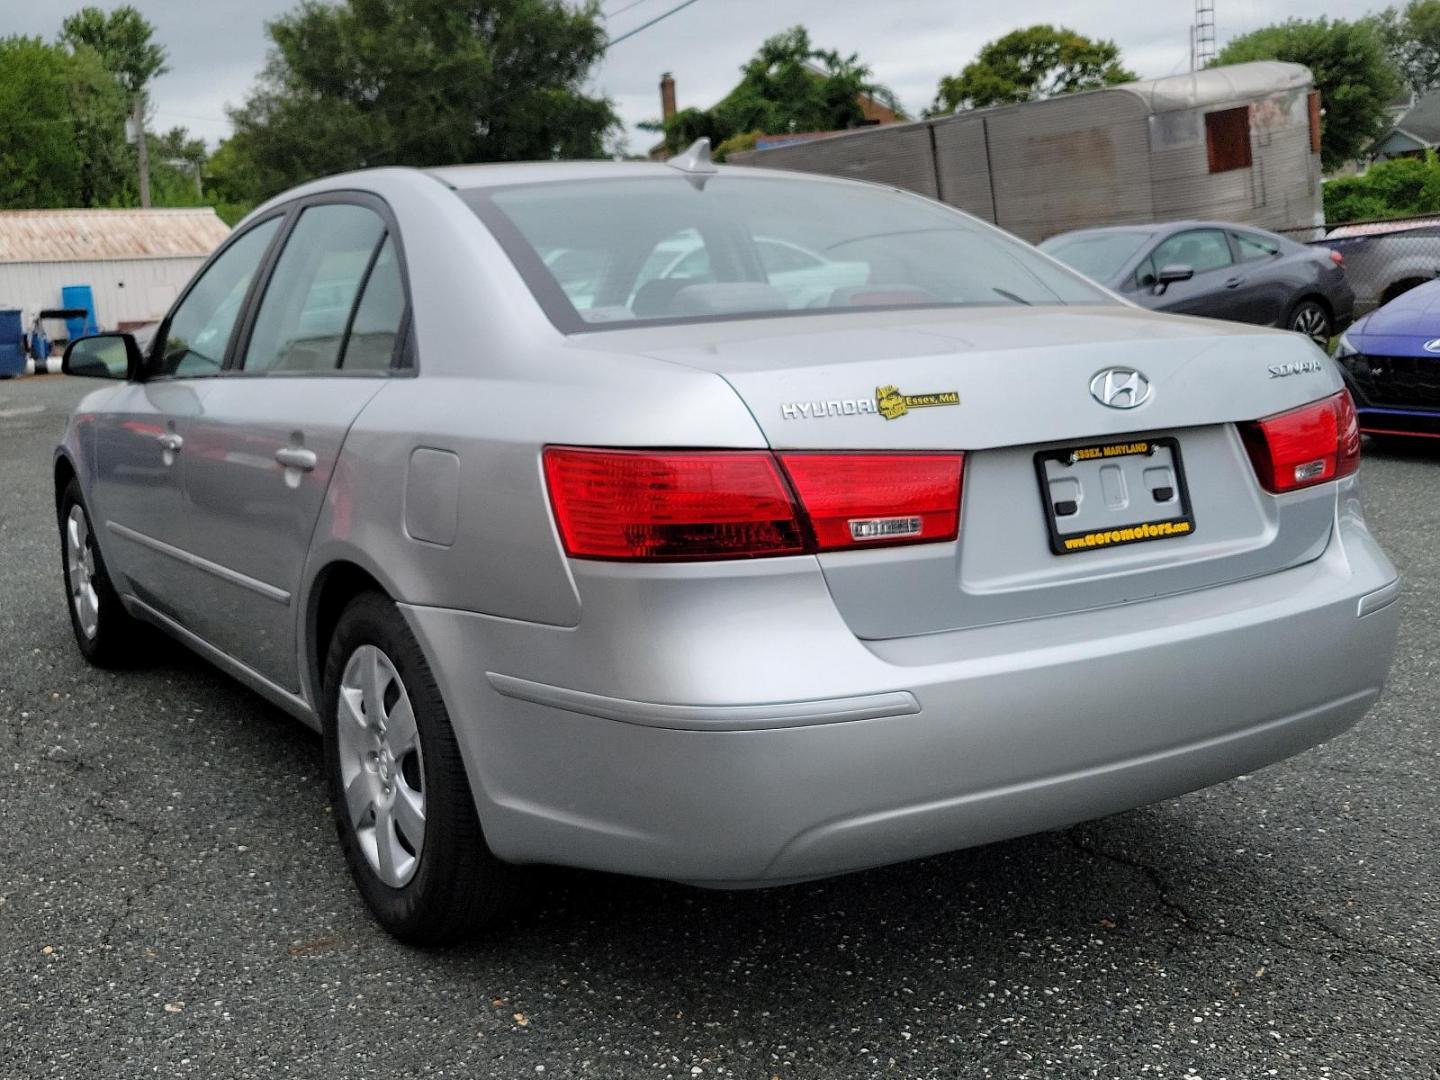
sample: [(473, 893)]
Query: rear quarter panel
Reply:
[(506, 559)]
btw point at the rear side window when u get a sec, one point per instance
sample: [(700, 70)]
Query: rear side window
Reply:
[(302, 319), (199, 331), (371, 344), (1254, 248), (1227, 139)]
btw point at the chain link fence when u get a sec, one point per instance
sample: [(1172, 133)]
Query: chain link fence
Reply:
[(1382, 258)]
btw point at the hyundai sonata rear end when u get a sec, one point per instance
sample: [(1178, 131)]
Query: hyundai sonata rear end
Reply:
[(740, 528)]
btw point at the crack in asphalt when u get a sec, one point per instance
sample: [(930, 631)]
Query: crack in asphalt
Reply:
[(1353, 947)]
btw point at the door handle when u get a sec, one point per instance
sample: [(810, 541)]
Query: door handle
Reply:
[(1234, 282), (296, 457), (170, 442)]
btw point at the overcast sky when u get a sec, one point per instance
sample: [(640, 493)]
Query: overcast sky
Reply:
[(217, 46)]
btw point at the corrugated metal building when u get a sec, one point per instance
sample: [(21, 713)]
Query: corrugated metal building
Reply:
[(1240, 143), (135, 261)]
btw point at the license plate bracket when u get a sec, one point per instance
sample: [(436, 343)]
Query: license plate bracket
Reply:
[(1104, 495)]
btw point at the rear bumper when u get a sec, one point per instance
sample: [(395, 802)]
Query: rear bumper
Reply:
[(804, 752), (1379, 421)]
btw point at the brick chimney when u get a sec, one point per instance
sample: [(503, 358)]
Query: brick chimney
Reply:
[(667, 96)]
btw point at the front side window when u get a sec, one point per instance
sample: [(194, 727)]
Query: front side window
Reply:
[(200, 329), (301, 323), (665, 249), (1202, 250)]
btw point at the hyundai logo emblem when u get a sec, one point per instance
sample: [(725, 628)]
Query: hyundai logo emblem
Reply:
[(1120, 388), (1433, 345)]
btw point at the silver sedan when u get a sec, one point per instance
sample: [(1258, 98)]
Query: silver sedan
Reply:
[(717, 525)]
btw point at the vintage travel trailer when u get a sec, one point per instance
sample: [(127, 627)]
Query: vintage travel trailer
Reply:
[(1239, 143)]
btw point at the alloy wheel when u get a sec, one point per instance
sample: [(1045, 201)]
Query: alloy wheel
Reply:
[(1310, 320), (381, 767), (80, 572)]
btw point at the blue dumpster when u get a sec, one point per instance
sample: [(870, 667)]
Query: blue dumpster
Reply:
[(12, 343), (79, 296)]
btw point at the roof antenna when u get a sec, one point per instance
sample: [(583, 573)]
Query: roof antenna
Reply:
[(695, 161)]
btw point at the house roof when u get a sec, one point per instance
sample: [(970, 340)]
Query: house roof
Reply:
[(1422, 121), (101, 235)]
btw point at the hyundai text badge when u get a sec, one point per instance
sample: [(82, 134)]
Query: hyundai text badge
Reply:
[(1120, 388)]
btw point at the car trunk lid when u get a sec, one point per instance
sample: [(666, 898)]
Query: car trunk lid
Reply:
[(1012, 388)]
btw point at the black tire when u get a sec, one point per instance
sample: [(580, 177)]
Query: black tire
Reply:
[(458, 886), (117, 636), (1313, 319)]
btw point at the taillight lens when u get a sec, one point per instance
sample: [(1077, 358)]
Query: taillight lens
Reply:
[(1337, 258), (865, 500), (1305, 446), (729, 504), (625, 504)]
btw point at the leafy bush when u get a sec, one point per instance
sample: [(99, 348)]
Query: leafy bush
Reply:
[(1401, 187)]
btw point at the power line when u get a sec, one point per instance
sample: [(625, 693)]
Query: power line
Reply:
[(627, 7), (647, 25)]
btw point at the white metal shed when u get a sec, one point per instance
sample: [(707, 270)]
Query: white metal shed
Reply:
[(135, 261)]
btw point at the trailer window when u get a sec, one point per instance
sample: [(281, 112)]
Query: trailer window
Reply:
[(1227, 138)]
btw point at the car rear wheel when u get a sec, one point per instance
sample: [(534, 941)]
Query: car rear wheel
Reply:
[(399, 791), (104, 631), (1310, 318)]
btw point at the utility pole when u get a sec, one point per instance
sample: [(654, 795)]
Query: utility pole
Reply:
[(142, 152), (1202, 35)]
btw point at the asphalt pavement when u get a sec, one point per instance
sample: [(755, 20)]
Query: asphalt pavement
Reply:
[(173, 901)]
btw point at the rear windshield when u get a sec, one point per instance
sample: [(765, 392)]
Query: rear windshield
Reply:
[(611, 253), (1096, 255)]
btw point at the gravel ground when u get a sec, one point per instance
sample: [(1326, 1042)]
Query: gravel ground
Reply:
[(173, 901)]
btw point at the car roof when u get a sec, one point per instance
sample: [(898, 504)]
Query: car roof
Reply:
[(1157, 228), (469, 177)]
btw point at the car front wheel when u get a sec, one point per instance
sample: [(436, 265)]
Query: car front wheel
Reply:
[(1311, 319), (399, 791)]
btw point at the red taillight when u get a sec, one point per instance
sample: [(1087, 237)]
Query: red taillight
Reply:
[(627, 504), (1305, 446), (1337, 258), (732, 504), (862, 500)]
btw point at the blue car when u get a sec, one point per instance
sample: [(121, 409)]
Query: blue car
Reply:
[(1391, 361)]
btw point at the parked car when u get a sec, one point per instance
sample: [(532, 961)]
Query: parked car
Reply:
[(1391, 363), (674, 581), (1218, 270), (1384, 259)]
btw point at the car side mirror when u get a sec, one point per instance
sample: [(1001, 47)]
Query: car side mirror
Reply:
[(103, 356), (1171, 274)]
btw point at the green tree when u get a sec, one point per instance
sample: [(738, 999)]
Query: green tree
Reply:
[(1412, 38), (123, 40), (231, 183), (419, 82), (62, 140), (788, 85), (1352, 72), (1027, 65)]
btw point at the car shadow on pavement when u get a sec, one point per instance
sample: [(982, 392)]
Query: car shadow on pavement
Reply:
[(1402, 447)]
